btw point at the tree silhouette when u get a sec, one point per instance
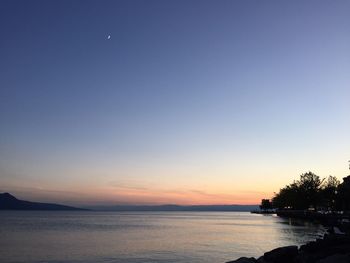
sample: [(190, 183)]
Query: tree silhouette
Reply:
[(266, 205), (301, 194), (343, 195), (309, 187), (328, 193), (310, 191)]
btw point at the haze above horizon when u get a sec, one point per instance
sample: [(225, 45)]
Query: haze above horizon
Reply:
[(158, 102)]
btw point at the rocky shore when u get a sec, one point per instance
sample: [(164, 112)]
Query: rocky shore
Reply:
[(334, 247)]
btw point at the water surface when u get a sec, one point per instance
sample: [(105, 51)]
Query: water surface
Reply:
[(114, 237)]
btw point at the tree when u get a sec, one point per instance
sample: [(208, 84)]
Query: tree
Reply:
[(343, 195), (309, 186), (288, 197), (265, 205), (301, 194), (310, 191), (328, 193)]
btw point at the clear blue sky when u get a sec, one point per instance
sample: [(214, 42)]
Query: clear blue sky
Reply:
[(187, 102)]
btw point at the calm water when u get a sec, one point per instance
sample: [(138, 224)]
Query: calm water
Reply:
[(144, 236)]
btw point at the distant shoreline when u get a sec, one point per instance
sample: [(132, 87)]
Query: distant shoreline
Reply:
[(10, 202), (170, 208)]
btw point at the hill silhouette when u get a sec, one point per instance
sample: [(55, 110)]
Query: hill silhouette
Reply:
[(9, 202)]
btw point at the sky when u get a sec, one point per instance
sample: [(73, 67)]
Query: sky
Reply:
[(181, 102)]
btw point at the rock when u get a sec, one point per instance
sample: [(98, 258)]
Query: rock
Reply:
[(322, 248), (261, 260), (305, 258), (336, 239), (281, 255), (243, 260), (313, 247), (337, 258), (332, 248)]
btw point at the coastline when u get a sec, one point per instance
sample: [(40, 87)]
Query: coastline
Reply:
[(333, 247)]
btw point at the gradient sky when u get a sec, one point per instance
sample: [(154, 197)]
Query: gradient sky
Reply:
[(188, 102)]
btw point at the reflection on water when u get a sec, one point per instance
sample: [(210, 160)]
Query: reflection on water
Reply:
[(115, 237)]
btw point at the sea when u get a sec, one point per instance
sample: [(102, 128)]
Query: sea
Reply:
[(115, 237)]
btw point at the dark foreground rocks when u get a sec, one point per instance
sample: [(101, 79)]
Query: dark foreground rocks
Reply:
[(332, 248), (243, 260)]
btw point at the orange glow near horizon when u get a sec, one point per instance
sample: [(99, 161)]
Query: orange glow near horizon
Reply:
[(142, 196), (159, 184)]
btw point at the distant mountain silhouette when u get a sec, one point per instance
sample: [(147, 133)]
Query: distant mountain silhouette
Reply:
[(9, 202), (203, 208)]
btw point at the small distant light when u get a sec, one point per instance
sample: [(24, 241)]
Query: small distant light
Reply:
[(109, 37)]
